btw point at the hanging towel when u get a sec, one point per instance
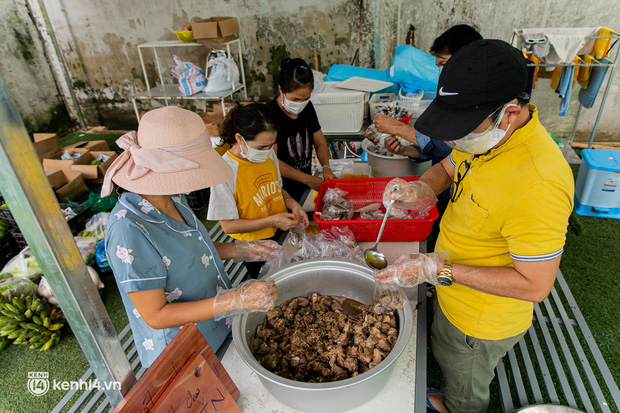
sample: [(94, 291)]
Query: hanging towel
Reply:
[(601, 46), (536, 61), (531, 72), (566, 42), (584, 72), (576, 70), (555, 77), (536, 43), (597, 74), (564, 87)]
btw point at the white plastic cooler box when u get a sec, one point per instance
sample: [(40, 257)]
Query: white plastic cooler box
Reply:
[(597, 191)]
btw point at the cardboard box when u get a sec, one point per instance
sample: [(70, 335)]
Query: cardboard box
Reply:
[(215, 116), (50, 163), (214, 128), (71, 184), (57, 179), (94, 173), (45, 144), (90, 145), (216, 29)]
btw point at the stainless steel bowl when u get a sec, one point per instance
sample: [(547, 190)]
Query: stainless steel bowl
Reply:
[(333, 277), (382, 166)]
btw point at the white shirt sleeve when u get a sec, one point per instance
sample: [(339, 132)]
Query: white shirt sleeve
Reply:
[(222, 205), (272, 155)]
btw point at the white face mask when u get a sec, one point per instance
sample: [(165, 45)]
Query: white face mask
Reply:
[(254, 155), (480, 142), (294, 108)]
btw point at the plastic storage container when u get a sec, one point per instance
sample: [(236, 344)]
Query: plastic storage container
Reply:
[(357, 170), (362, 192), (597, 191), (339, 110), (379, 99)]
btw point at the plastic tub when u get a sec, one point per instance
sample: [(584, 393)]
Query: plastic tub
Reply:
[(186, 36), (597, 190), (379, 99)]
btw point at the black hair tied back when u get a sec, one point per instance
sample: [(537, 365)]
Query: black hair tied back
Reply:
[(248, 121), (295, 74)]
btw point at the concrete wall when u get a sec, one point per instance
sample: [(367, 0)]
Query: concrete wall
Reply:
[(99, 41), (26, 72)]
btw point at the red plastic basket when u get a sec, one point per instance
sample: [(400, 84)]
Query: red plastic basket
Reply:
[(365, 191)]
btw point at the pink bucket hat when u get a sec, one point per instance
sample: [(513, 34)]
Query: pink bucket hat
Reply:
[(170, 154)]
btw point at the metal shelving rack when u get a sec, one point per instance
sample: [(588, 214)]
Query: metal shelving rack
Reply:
[(517, 42), (170, 91)]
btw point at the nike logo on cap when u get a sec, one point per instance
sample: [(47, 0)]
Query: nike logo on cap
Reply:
[(442, 93)]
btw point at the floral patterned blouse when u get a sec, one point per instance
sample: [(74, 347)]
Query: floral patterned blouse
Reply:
[(149, 250)]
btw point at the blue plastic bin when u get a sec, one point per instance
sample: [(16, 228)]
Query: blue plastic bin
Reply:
[(597, 191)]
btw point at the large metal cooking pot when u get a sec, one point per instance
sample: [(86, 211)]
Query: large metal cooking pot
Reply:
[(333, 277), (383, 166)]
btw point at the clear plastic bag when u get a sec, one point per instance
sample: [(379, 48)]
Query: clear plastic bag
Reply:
[(86, 246), (336, 207), (275, 261), (386, 298), (337, 243), (412, 195), (23, 265), (372, 134), (44, 289), (96, 226), (18, 286)]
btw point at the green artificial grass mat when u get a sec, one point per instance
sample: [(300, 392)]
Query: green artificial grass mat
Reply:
[(63, 362), (79, 136)]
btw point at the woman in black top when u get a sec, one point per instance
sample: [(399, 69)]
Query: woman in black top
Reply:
[(299, 129)]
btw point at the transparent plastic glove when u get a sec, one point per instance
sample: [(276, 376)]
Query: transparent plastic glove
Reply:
[(413, 269), (250, 296), (251, 251), (414, 195)]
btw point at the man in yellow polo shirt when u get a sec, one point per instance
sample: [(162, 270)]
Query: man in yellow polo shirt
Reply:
[(504, 229)]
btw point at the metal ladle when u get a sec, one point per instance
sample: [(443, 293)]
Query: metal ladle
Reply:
[(375, 259)]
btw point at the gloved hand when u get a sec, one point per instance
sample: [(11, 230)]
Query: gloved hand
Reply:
[(414, 195), (250, 251), (413, 269), (250, 296)]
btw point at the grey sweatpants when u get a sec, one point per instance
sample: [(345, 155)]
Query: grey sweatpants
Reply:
[(467, 364)]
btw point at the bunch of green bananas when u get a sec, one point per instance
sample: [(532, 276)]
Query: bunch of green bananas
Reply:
[(29, 320), (2, 228)]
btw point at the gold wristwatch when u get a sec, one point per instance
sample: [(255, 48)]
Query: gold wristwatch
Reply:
[(445, 275)]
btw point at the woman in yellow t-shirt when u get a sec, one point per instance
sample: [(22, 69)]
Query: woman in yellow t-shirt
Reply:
[(253, 205)]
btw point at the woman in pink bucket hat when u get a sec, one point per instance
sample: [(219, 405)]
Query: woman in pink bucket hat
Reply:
[(167, 269)]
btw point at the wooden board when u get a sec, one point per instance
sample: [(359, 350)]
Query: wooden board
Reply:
[(196, 389), (597, 145), (146, 391)]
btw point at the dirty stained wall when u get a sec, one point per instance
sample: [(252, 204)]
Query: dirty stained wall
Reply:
[(26, 72), (99, 41)]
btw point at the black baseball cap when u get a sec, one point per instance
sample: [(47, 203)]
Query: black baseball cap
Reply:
[(476, 81)]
